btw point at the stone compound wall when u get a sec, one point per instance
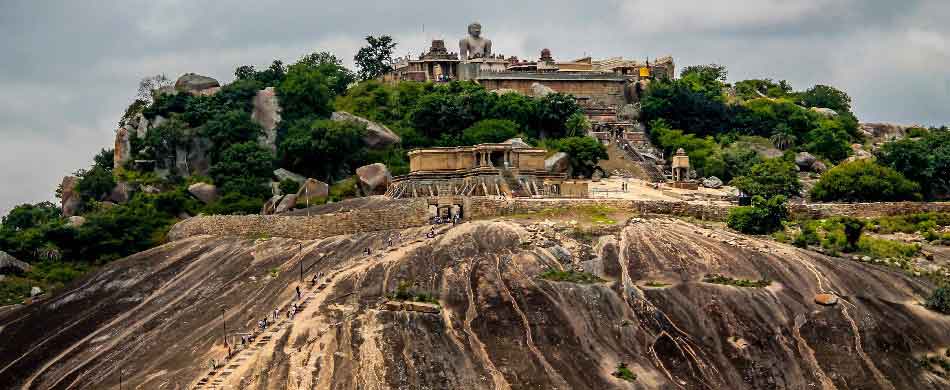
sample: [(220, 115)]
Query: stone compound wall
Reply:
[(409, 214), (414, 212)]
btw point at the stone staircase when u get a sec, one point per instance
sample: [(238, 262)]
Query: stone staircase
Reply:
[(515, 188)]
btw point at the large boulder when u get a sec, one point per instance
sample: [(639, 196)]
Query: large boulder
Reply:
[(712, 182), (123, 148), (819, 167), (286, 204), (35, 292), (517, 143), (559, 162), (75, 221), (70, 196), (373, 179), (196, 84), (377, 136), (11, 265), (282, 174), (805, 160), (541, 90), (267, 114), (312, 190), (121, 193), (270, 207), (826, 112), (883, 131), (205, 192)]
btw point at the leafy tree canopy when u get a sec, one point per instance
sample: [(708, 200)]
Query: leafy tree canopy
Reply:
[(864, 181), (769, 178), (375, 59), (584, 152), (925, 160), (322, 148)]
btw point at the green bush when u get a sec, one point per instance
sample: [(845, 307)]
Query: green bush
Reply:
[(343, 189), (704, 153), (925, 160), (864, 180), (763, 217), (727, 281), (881, 248), (289, 186), (940, 300), (584, 153), (770, 178), (235, 203), (623, 372), (322, 148), (570, 276)]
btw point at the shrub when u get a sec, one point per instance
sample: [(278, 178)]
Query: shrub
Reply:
[(925, 160), (880, 248), (940, 300), (864, 180), (584, 152), (234, 203), (322, 148), (762, 217), (852, 232), (623, 372), (570, 276), (343, 189), (727, 281), (770, 178), (289, 186)]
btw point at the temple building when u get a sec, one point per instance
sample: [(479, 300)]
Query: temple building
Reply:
[(510, 169)]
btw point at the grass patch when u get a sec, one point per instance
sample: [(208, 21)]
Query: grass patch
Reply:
[(594, 214), (404, 292), (654, 283), (725, 280), (920, 222), (623, 372), (570, 276), (274, 272)]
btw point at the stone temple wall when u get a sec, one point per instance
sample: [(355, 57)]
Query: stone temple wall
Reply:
[(414, 212)]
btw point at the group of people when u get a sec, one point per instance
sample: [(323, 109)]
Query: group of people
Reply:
[(455, 220)]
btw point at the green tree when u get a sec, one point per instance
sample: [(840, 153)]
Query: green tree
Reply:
[(305, 91), (763, 217), (770, 178), (853, 228), (489, 131), (26, 216), (756, 88), (230, 128), (940, 300), (830, 141), (925, 160), (694, 105), (739, 161), (95, 184), (244, 168), (105, 159), (553, 112), (338, 77), (577, 124), (376, 59), (864, 181), (323, 148), (704, 154), (162, 140), (827, 97), (584, 152)]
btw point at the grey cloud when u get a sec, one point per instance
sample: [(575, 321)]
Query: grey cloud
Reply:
[(70, 68)]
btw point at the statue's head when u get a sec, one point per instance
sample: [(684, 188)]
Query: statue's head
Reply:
[(475, 29)]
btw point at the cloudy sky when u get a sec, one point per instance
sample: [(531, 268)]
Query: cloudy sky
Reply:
[(69, 69)]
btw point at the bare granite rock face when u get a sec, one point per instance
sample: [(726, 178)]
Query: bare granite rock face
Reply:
[(12, 265), (312, 190), (883, 131), (559, 162), (377, 136), (499, 323), (70, 196), (122, 153), (267, 114), (205, 192), (541, 90), (373, 179), (196, 84), (826, 112)]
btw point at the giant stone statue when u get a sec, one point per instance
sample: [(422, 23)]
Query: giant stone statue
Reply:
[(474, 46)]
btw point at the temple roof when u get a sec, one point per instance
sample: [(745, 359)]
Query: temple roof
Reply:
[(552, 76)]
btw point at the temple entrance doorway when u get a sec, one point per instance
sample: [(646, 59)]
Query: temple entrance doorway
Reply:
[(497, 159)]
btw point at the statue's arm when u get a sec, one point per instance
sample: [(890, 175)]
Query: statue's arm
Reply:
[(487, 48), (463, 50)]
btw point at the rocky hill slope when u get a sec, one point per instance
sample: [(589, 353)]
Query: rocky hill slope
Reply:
[(154, 320)]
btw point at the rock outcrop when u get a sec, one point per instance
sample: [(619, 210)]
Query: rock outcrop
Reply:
[(267, 114), (826, 112), (12, 265), (377, 136), (559, 162), (517, 143), (373, 179), (541, 90), (122, 153), (499, 324), (75, 221), (282, 174), (883, 131), (70, 196), (196, 84), (121, 193), (313, 191), (805, 160), (204, 192), (287, 203), (712, 182)]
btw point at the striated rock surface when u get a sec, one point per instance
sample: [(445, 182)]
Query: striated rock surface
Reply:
[(123, 148), (377, 136), (312, 189), (559, 162), (498, 325)]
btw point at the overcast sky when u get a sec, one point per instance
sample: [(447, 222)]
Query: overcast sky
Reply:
[(69, 69)]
